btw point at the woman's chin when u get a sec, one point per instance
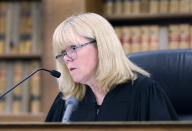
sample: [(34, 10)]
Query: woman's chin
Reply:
[(77, 80)]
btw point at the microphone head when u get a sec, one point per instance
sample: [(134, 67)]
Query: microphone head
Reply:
[(73, 101), (55, 73)]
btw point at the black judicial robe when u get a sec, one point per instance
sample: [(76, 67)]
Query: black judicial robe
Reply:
[(143, 100)]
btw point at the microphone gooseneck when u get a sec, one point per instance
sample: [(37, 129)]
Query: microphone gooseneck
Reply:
[(71, 105), (52, 72)]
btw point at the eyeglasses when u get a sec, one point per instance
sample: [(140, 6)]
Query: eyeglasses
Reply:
[(71, 52)]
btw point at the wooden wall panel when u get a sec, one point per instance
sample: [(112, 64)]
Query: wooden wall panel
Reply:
[(98, 126), (95, 6), (54, 12)]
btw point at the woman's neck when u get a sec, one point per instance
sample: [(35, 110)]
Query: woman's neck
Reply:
[(97, 92), (98, 95)]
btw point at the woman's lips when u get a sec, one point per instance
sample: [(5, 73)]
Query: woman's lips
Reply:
[(71, 69)]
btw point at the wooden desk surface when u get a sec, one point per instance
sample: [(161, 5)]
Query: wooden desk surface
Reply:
[(94, 126)]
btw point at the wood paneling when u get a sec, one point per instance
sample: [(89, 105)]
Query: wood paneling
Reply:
[(101, 126), (54, 12), (96, 6), (21, 117)]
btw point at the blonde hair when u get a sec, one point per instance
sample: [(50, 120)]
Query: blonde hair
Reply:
[(113, 66)]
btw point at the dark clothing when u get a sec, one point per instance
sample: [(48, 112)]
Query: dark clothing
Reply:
[(142, 100)]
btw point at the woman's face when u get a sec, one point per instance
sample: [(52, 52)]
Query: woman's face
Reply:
[(83, 68)]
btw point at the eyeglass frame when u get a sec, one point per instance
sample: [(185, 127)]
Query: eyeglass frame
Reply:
[(74, 48)]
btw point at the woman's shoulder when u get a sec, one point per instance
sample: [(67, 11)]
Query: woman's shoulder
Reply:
[(59, 96), (145, 83), (56, 109), (142, 79), (58, 99), (140, 84)]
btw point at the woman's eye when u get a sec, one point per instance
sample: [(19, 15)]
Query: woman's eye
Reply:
[(73, 47)]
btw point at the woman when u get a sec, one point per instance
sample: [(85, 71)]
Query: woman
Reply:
[(95, 70)]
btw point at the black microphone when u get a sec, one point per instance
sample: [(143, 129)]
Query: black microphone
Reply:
[(71, 105), (52, 72)]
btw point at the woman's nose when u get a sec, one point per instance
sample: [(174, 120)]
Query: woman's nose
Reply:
[(66, 59)]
